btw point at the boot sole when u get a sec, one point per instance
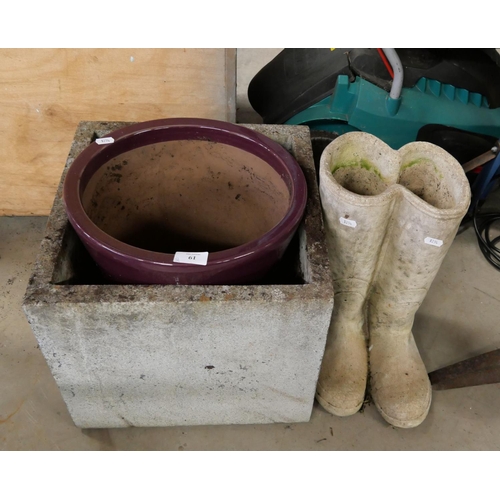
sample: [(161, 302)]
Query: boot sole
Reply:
[(405, 424), (335, 410)]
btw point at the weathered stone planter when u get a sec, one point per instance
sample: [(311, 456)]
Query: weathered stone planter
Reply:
[(163, 355)]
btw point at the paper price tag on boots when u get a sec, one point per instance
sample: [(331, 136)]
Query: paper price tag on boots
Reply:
[(197, 258), (433, 241), (347, 222)]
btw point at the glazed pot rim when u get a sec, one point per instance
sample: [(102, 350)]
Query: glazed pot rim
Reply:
[(254, 141)]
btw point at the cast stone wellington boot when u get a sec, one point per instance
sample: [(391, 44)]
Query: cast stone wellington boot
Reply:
[(357, 198), (432, 198)]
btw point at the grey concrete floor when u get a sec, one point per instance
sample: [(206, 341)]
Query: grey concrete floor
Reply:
[(458, 319)]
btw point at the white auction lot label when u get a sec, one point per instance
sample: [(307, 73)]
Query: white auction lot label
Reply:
[(433, 241), (105, 140), (197, 258), (348, 222)]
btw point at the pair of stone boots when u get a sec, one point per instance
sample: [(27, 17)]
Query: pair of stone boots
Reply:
[(390, 219)]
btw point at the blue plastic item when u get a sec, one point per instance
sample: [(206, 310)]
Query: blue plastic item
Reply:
[(485, 182), (361, 105)]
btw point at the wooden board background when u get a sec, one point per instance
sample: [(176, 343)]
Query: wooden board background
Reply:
[(44, 93)]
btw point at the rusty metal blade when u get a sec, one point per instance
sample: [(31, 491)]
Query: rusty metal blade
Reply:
[(479, 370)]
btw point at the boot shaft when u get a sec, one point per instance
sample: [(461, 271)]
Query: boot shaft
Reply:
[(391, 216), (356, 207)]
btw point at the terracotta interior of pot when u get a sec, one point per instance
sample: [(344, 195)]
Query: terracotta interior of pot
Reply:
[(190, 195)]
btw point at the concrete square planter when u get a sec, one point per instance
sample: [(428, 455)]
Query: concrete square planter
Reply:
[(164, 355)]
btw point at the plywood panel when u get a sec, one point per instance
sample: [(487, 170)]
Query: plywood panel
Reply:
[(44, 93)]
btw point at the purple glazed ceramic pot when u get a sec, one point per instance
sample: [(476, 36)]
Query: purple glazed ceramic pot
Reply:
[(189, 186)]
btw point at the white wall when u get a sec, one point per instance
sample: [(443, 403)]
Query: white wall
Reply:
[(248, 64)]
